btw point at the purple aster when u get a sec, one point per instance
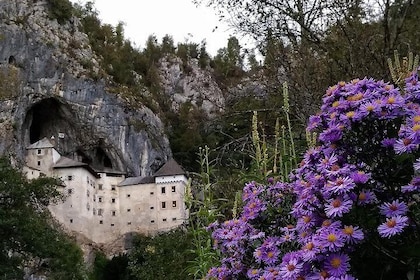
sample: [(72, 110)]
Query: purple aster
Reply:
[(416, 165), (364, 197), (331, 134), (414, 185), (352, 234), (388, 142), (340, 185), (314, 122), (369, 108), (336, 207), (392, 226), (360, 177), (337, 265), (254, 273), (331, 239), (393, 209), (291, 266), (405, 146)]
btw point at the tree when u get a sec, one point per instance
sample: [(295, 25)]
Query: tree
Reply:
[(313, 43), (163, 256), (30, 237)]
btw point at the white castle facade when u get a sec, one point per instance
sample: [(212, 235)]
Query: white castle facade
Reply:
[(104, 205)]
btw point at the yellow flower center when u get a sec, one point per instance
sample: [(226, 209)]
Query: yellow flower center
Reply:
[(391, 100), (335, 104), (270, 254), (332, 237), (309, 246), (416, 118), (335, 262), (370, 108), (348, 230), (362, 196), (416, 127), (391, 223)]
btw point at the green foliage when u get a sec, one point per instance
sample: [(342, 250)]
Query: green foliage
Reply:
[(114, 269), (61, 10), (28, 233), (163, 256)]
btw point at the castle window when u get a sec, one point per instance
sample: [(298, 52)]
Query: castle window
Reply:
[(152, 221), (94, 211), (173, 219), (70, 178), (113, 213), (39, 163), (71, 221), (112, 225), (163, 204), (39, 152), (152, 193), (101, 222), (113, 200), (173, 203), (100, 199), (129, 223), (129, 210), (164, 220), (100, 187), (151, 207), (113, 188), (70, 191), (100, 211), (173, 188), (87, 193), (163, 190), (128, 195)]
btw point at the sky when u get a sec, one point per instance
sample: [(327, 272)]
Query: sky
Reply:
[(179, 18)]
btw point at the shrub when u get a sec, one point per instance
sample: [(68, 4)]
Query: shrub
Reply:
[(61, 10), (351, 208)]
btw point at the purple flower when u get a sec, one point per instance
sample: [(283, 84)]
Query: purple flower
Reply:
[(341, 185), (352, 235), (405, 146), (359, 177), (336, 207), (393, 209), (331, 239), (365, 197), (392, 226), (337, 265), (414, 185)]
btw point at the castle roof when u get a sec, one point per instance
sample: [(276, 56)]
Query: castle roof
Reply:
[(65, 162), (137, 181), (171, 167), (43, 143)]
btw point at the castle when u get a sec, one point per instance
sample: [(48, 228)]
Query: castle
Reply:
[(103, 205)]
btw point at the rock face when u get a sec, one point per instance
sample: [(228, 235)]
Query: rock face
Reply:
[(48, 89), (193, 85)]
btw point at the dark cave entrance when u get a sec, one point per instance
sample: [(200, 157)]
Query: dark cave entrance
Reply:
[(52, 118), (49, 118)]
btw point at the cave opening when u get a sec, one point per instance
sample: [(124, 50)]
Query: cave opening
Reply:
[(48, 119)]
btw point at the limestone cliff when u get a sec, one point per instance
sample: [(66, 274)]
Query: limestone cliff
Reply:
[(46, 89)]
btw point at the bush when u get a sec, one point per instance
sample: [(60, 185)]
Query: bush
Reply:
[(351, 209), (61, 10)]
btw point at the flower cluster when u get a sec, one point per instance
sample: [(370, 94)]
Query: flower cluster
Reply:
[(359, 184)]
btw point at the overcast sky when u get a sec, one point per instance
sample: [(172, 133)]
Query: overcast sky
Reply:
[(179, 18)]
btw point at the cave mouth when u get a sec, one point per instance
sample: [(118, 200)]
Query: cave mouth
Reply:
[(49, 118)]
